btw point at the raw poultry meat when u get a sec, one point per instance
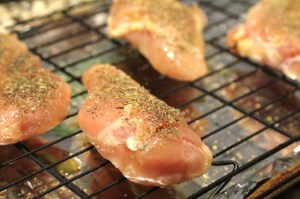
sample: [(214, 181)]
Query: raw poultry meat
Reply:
[(271, 36), (109, 174), (167, 32), (141, 135), (32, 99)]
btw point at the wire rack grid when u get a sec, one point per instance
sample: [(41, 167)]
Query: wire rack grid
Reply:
[(220, 107)]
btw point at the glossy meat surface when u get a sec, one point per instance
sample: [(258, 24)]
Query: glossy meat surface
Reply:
[(32, 99), (168, 33), (141, 135), (270, 35)]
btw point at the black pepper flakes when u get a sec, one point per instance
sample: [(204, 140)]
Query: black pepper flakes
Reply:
[(23, 83), (113, 87)]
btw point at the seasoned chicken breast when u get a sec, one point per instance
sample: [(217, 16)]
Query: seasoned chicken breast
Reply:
[(271, 36), (141, 135), (32, 99), (167, 32)]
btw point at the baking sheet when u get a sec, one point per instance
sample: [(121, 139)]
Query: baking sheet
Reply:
[(68, 48)]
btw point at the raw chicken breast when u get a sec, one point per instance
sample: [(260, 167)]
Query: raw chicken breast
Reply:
[(167, 32), (109, 174), (32, 99), (271, 36), (141, 135)]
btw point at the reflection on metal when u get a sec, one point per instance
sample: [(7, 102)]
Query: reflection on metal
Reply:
[(247, 114)]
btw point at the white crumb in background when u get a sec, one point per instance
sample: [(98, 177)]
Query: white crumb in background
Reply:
[(5, 17), (73, 2), (3, 30), (12, 12), (24, 14), (39, 8), (56, 5)]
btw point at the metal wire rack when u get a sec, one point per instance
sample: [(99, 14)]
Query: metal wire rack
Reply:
[(69, 41)]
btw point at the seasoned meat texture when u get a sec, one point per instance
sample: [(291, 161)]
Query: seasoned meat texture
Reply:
[(167, 32), (271, 36), (32, 99), (141, 135)]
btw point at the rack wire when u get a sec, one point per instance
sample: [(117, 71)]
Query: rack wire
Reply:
[(69, 41)]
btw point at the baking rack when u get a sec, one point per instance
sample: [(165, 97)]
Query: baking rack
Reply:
[(222, 15)]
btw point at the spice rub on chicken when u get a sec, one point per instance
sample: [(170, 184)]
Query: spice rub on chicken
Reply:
[(271, 36), (141, 135), (167, 32), (32, 99)]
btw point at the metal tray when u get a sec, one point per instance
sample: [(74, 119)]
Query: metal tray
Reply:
[(246, 113)]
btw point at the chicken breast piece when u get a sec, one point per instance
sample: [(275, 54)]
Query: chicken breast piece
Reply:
[(167, 32), (32, 99), (141, 135), (270, 35)]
